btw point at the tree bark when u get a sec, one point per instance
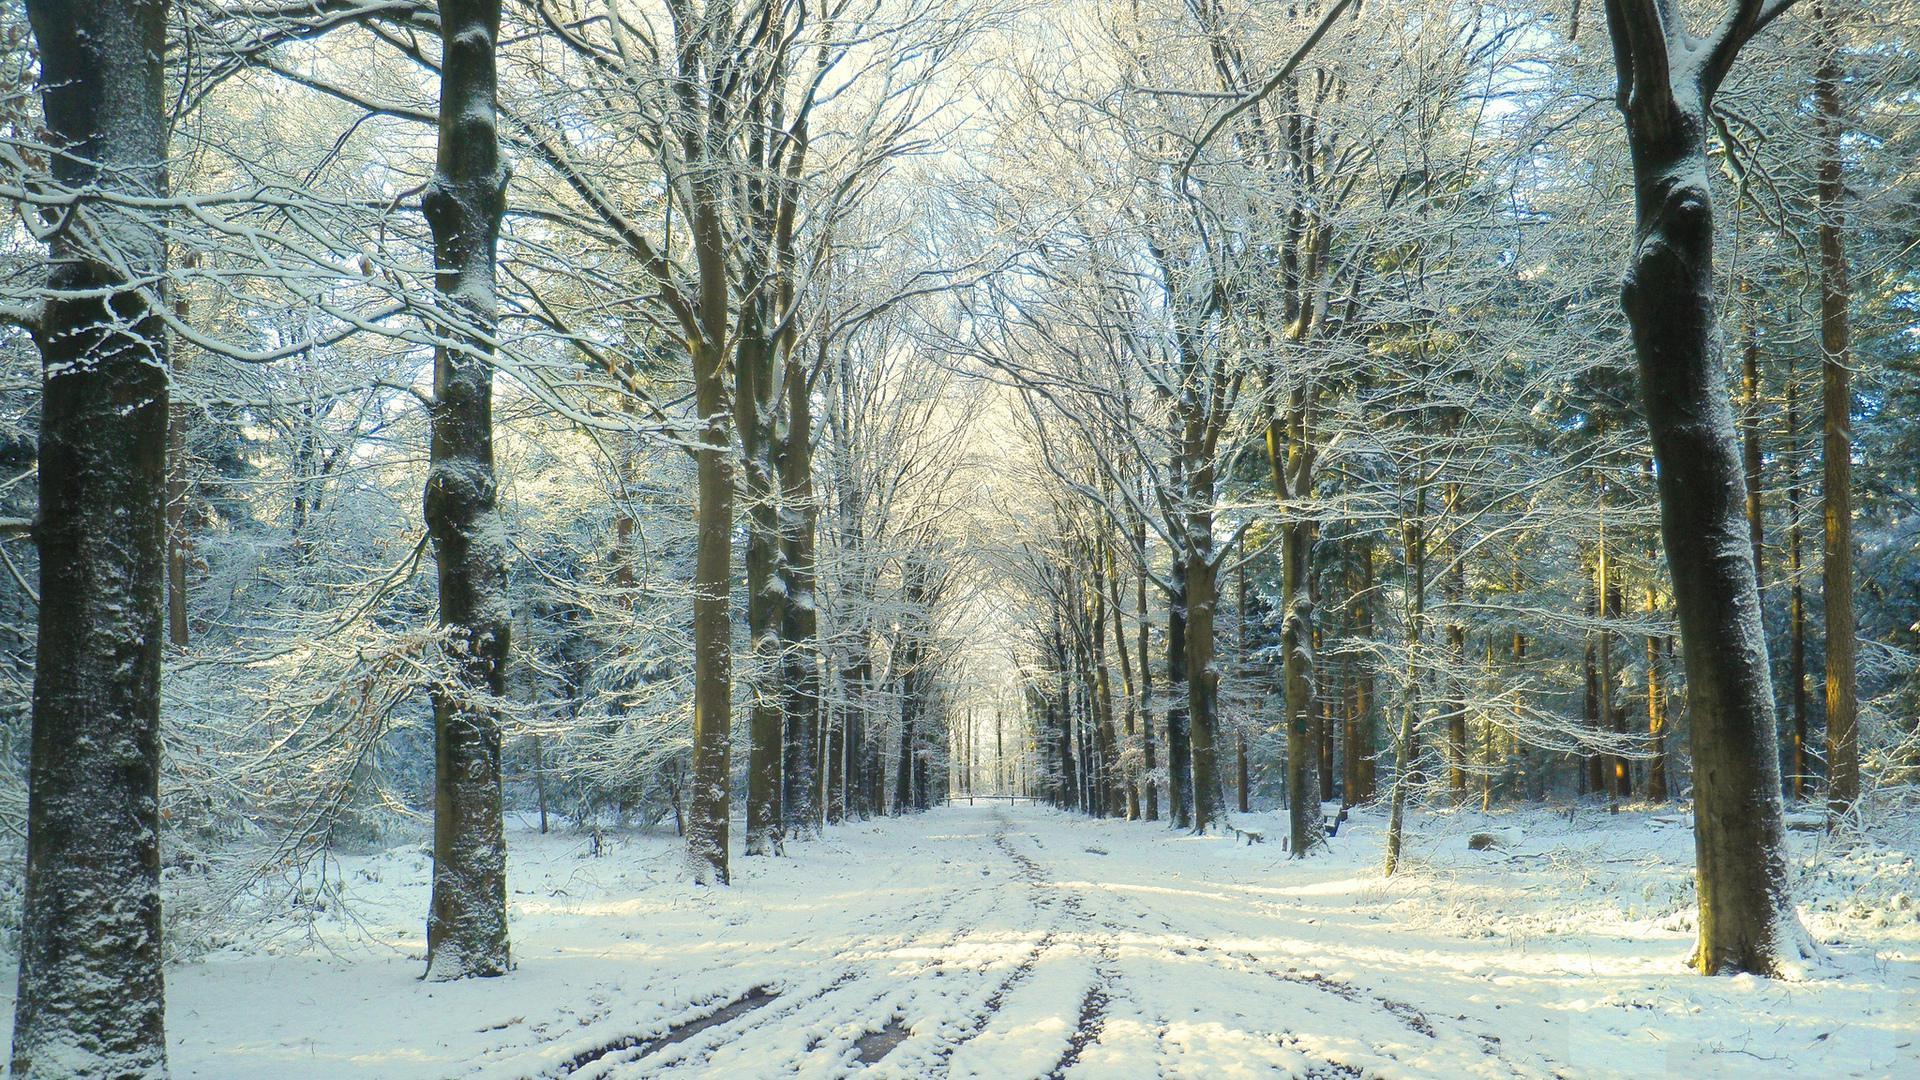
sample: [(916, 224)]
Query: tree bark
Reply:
[(1304, 828), (1179, 757), (1414, 536), (1145, 629), (91, 991), (707, 823), (467, 926), (1751, 457), (1836, 449), (1796, 605), (1668, 294), (1203, 678), (755, 397)]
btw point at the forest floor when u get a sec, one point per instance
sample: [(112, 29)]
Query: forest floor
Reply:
[(1014, 941)]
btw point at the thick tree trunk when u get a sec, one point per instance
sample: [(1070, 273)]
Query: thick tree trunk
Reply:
[(755, 408), (1836, 450), (1179, 756), (1203, 678), (1129, 689), (1145, 650), (91, 991), (467, 924), (1802, 762), (1110, 789), (1414, 537), (1669, 296), (707, 823), (1304, 828)]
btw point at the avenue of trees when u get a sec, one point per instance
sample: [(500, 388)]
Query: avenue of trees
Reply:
[(781, 412)]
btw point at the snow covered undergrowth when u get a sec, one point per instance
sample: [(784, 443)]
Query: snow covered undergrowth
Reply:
[(1008, 942)]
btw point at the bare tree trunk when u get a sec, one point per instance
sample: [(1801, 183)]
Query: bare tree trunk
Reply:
[(1456, 595), (540, 782), (707, 823), (1290, 467), (1242, 645), (467, 924), (1415, 539), (1750, 443), (1656, 708), (1665, 93), (179, 537), (1304, 828), (1203, 677), (1145, 650), (1836, 451), (1607, 589), (91, 991), (1128, 688), (1179, 757), (754, 407), (1796, 604), (1366, 741)]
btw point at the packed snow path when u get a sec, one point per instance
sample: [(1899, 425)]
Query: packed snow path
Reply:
[(1013, 941)]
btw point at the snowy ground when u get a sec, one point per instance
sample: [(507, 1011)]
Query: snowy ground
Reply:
[(1008, 942)]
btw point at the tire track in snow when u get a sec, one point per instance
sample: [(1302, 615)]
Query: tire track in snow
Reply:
[(958, 914), (1201, 931), (1092, 1019), (787, 991), (876, 1045)]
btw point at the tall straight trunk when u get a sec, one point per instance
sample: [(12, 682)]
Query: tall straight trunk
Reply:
[(1203, 677), (540, 782), (467, 924), (875, 769), (707, 823), (1456, 594), (1836, 447), (903, 763), (1179, 757), (1667, 80), (1304, 828), (1796, 605), (1365, 740), (755, 407), (1290, 466), (1656, 706), (1112, 790), (1129, 778), (91, 992), (1607, 590), (1593, 778), (1145, 629), (834, 802), (1488, 737), (800, 618), (1325, 741), (1751, 459), (179, 535), (1069, 774), (1000, 785), (1414, 538), (1080, 680), (1242, 646)]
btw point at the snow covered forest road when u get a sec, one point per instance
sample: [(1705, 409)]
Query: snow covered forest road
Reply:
[(1010, 942)]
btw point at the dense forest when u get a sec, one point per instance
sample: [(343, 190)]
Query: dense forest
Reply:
[(744, 460)]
